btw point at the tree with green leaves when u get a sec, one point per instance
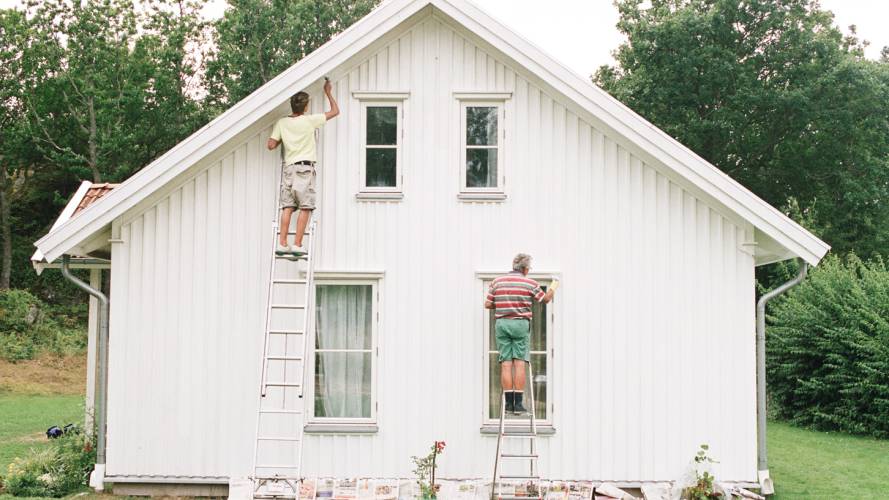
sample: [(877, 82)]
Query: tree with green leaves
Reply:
[(257, 39), (772, 94)]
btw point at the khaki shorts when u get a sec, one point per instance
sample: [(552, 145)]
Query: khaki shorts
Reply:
[(298, 186)]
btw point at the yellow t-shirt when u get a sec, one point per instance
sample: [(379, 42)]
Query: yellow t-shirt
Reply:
[(298, 135)]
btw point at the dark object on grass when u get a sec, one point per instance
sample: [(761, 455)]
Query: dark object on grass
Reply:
[(55, 432)]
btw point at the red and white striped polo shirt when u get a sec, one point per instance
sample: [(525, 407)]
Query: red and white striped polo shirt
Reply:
[(512, 296)]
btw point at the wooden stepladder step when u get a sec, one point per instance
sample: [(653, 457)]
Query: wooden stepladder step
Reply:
[(281, 415), (522, 450)]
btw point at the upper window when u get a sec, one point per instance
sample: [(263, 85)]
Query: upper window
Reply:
[(382, 134), (345, 340), (482, 138), (541, 366)]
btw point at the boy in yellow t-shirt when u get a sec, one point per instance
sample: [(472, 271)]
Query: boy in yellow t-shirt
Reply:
[(297, 133)]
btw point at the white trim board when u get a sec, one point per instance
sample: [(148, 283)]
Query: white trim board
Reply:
[(613, 115)]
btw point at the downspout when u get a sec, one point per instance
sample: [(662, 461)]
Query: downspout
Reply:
[(765, 482), (97, 478)]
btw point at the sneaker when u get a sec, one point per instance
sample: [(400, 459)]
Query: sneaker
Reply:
[(282, 249), (298, 250)]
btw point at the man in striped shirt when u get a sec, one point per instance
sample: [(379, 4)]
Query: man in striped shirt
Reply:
[(511, 296)]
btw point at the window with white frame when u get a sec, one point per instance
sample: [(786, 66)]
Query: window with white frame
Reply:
[(381, 146), (344, 351), (541, 366), (481, 146)]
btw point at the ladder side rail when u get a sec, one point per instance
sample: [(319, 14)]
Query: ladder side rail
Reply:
[(268, 316), (309, 311), (495, 484), (533, 422)]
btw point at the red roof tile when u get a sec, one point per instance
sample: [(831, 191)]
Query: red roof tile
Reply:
[(93, 194)]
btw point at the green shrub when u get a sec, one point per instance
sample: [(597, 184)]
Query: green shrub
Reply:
[(828, 349), (28, 326), (54, 471)]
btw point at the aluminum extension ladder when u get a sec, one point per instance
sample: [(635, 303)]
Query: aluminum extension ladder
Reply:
[(532, 478), (277, 457)]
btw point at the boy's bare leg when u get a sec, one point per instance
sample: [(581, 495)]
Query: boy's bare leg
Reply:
[(301, 222), (285, 225)]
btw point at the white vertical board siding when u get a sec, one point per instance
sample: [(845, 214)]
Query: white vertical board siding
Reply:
[(653, 335), (187, 322)]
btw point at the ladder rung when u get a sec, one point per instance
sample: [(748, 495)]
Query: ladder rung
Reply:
[(284, 358), (519, 456), (278, 438), (282, 384), (289, 233), (287, 306), (296, 412), (293, 257), (281, 331)]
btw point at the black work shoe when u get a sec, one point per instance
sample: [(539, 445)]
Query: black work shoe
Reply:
[(509, 401)]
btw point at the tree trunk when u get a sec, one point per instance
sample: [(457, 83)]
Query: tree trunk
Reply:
[(5, 232), (94, 160)]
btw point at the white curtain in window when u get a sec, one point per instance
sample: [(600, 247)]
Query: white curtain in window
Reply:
[(343, 343)]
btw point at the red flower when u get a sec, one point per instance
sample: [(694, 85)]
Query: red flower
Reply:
[(439, 446)]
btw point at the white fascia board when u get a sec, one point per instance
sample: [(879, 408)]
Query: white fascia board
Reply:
[(625, 122), (227, 125), (66, 214)]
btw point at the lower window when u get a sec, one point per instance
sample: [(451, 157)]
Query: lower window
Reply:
[(345, 341), (541, 351)]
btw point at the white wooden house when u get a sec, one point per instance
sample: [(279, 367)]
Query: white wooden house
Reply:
[(647, 351)]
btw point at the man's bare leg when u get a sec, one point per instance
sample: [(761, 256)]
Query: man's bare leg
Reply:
[(301, 222), (285, 225), (519, 377), (506, 375)]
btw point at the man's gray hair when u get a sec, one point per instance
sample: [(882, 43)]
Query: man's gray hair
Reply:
[(521, 262)]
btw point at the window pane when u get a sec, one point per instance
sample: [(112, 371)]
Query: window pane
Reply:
[(481, 168), (538, 326), (380, 167), (343, 384), (481, 126), (382, 125), (343, 315)]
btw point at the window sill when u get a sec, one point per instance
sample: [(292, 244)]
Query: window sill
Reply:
[(494, 429), (318, 428), (484, 197), (381, 196)]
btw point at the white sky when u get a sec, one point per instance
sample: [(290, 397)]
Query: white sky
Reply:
[(581, 33)]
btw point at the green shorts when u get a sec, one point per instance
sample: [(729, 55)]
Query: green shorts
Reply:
[(513, 339)]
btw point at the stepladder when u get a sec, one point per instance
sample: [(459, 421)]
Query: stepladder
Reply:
[(277, 460), (516, 472)]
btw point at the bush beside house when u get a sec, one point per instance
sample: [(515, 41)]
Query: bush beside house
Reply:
[(828, 349)]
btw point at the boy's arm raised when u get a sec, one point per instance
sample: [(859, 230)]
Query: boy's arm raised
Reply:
[(334, 108)]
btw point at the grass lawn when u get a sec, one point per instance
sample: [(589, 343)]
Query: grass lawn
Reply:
[(25, 418), (820, 465)]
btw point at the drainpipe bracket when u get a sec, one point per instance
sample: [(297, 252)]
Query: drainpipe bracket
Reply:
[(97, 478)]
